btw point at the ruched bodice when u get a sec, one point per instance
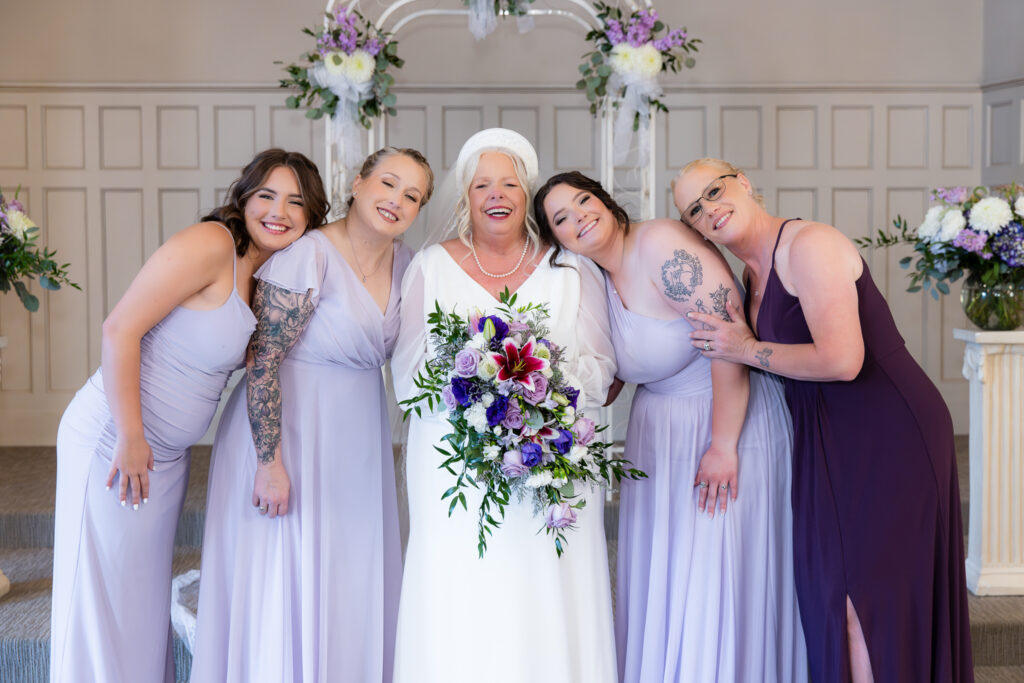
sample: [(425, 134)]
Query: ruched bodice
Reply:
[(652, 352)]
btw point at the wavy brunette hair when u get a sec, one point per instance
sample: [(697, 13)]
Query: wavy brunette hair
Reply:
[(576, 180), (314, 200)]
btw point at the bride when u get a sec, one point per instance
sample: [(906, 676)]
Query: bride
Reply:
[(520, 613)]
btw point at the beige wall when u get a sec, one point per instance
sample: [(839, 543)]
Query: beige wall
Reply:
[(126, 128), (824, 42)]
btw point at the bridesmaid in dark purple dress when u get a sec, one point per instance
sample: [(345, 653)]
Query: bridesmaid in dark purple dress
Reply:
[(878, 539)]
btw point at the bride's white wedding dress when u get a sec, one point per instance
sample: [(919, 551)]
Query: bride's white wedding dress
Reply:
[(521, 614)]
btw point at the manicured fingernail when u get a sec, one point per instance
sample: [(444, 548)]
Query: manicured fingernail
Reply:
[(145, 500), (135, 506), (689, 314), (107, 487), (123, 503)]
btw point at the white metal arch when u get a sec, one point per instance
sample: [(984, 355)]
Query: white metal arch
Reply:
[(580, 12)]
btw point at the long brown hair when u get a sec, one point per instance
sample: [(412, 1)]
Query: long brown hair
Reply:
[(576, 180), (314, 199)]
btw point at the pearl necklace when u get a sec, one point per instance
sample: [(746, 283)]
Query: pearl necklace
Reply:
[(496, 276)]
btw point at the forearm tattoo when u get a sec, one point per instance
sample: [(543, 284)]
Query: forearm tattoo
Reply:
[(762, 357), (281, 316), (718, 298), (681, 275)]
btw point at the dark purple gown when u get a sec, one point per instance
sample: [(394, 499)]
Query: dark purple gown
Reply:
[(876, 504)]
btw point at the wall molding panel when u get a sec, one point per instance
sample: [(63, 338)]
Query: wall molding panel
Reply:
[(111, 172)]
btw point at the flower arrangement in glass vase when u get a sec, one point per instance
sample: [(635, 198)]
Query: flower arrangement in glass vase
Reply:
[(979, 232), (346, 77), (624, 66), (21, 259), (516, 427)]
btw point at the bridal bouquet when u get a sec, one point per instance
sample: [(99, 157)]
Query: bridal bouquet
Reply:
[(516, 429), (21, 258)]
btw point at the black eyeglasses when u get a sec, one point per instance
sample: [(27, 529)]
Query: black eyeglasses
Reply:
[(711, 193)]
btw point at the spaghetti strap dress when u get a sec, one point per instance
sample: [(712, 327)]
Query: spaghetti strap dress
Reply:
[(876, 504), (110, 618), (699, 598)]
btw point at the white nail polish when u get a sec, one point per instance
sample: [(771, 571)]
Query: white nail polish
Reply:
[(107, 487), (145, 500), (123, 503), (135, 506)]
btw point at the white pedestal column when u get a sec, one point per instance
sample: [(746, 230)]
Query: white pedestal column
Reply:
[(994, 365)]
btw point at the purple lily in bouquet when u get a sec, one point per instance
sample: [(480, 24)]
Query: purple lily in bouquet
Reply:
[(516, 426)]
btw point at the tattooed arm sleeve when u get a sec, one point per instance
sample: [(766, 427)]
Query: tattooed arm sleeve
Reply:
[(281, 315)]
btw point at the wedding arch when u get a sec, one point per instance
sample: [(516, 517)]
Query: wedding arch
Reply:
[(392, 18)]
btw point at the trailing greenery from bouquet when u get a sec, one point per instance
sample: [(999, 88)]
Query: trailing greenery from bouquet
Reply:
[(21, 259), (628, 54), (350, 64), (979, 232), (516, 428)]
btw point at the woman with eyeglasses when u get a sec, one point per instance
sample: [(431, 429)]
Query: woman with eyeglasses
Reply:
[(705, 588), (876, 504)]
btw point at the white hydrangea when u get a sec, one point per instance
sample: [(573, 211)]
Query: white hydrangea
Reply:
[(492, 452), (487, 399), (476, 417), (576, 453), (334, 62), (952, 223), (990, 215), (932, 223), (1018, 206), (541, 479), (359, 66)]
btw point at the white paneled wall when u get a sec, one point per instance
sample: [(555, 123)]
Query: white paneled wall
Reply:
[(110, 174)]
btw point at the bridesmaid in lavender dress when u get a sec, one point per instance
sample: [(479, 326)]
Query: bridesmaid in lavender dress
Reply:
[(301, 552), (168, 348), (705, 588), (880, 576)]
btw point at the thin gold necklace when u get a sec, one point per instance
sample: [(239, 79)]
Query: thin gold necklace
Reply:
[(355, 255), (494, 275)]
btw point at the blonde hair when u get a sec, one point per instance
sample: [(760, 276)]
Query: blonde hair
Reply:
[(723, 167), (371, 162), (460, 216)]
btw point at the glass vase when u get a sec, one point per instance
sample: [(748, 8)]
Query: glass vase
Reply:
[(999, 306)]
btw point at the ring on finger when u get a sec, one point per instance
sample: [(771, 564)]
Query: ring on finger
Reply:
[(263, 508), (703, 484), (707, 346), (723, 487)]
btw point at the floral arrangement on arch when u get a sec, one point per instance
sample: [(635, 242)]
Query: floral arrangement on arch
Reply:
[(624, 67), (979, 232), (483, 15), (21, 259), (516, 426), (346, 77)]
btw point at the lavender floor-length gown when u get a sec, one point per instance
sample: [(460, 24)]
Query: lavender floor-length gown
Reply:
[(701, 599), (876, 504), (311, 596), (112, 565)]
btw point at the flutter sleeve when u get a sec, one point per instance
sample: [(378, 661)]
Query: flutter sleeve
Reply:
[(298, 268), (411, 348), (592, 368)]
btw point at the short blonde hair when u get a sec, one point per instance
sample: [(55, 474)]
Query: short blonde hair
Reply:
[(723, 167), (460, 216)]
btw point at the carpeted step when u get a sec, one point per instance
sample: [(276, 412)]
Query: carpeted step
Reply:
[(999, 674), (28, 490), (25, 615)]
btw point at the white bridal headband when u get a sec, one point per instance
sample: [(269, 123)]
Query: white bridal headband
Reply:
[(500, 139)]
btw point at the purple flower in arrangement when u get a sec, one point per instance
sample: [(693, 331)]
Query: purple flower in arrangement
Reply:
[(671, 40), (497, 410), (466, 362), (951, 195), (573, 394), (449, 397), (464, 391), (539, 391), (614, 32), (562, 442), (513, 416), (584, 429), (1008, 245), (15, 205), (373, 46), (560, 516), (474, 322), (638, 32), (500, 330), (532, 454), (512, 464), (973, 242)]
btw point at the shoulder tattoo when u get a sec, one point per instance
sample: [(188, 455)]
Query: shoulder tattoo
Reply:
[(681, 275), (762, 357)]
